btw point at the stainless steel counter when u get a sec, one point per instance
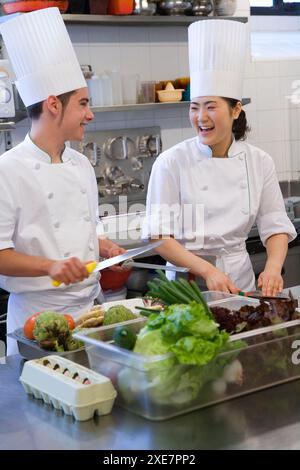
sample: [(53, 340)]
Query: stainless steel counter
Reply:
[(269, 419)]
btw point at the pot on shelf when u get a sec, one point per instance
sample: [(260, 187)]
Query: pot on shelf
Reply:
[(201, 7), (175, 7)]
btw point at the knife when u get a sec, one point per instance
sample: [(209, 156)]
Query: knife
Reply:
[(94, 266), (257, 294), (134, 264)]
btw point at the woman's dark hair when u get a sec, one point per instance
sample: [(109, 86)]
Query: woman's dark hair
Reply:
[(240, 126), (35, 110)]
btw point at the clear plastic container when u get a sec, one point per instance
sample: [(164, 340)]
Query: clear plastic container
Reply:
[(158, 388), (29, 349)]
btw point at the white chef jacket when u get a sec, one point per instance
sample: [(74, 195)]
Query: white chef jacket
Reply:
[(47, 210), (228, 195)]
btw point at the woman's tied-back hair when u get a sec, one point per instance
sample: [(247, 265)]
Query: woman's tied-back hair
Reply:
[(240, 125)]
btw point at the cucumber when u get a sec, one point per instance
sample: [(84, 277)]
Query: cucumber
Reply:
[(124, 337)]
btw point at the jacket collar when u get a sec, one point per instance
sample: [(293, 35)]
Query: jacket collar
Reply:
[(236, 148), (40, 154)]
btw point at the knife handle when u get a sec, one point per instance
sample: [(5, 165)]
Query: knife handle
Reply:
[(89, 267)]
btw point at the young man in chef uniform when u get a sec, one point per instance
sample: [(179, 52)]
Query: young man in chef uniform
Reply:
[(49, 198), (230, 183)]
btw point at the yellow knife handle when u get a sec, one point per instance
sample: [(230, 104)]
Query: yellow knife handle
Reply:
[(89, 267)]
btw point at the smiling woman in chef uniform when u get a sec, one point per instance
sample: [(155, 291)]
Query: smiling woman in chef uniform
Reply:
[(49, 222), (206, 193)]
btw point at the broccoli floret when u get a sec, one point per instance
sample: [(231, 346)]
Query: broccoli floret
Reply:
[(117, 314), (72, 344), (51, 330)]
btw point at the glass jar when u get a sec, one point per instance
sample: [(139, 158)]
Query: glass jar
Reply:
[(225, 7)]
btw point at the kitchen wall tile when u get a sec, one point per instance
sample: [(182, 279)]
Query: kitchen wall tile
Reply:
[(267, 69), (135, 59), (252, 120), (290, 92), (185, 121), (289, 68), (164, 62), (277, 150), (100, 118), (250, 69), (250, 91), (18, 134), (83, 54), (171, 131), (129, 36), (271, 23), (270, 127), (170, 112), (183, 59), (187, 132), (139, 123), (182, 35), (106, 35), (288, 23), (255, 22), (109, 125), (136, 115), (268, 93), (163, 36), (78, 33), (295, 158), (105, 58), (292, 124)]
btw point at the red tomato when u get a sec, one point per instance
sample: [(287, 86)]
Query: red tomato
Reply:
[(70, 321), (29, 325)]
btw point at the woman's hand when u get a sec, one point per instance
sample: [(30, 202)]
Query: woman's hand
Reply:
[(270, 282), (217, 280), (109, 249)]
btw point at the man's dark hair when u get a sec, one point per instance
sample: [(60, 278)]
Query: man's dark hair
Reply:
[(35, 110), (240, 125)]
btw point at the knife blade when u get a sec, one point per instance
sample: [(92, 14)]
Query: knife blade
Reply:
[(257, 294), (134, 264), (94, 266), (126, 256)]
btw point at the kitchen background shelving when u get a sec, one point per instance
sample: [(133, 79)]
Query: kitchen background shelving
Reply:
[(147, 106), (140, 20)]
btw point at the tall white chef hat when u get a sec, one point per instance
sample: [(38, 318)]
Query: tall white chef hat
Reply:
[(42, 55), (217, 55)]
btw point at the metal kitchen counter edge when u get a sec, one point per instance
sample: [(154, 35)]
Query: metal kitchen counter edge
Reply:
[(268, 419)]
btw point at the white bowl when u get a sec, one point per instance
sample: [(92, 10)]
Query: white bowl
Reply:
[(165, 96)]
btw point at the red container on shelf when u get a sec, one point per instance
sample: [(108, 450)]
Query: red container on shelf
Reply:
[(120, 7), (98, 7), (16, 6)]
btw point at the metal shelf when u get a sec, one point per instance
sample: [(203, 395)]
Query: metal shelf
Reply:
[(140, 20), (20, 115), (147, 106)]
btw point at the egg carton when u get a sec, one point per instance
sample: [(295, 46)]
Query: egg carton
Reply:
[(69, 387)]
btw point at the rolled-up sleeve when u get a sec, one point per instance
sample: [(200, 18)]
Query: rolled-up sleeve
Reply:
[(7, 217), (272, 218), (163, 209)]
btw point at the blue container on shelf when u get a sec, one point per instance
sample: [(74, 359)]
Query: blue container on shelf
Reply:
[(186, 95)]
